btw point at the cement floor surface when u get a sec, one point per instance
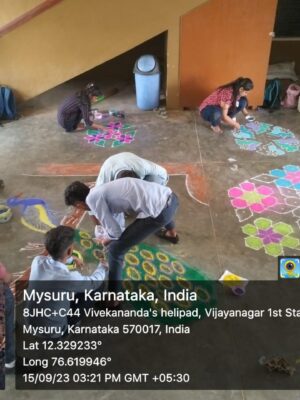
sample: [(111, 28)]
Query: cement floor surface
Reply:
[(210, 233)]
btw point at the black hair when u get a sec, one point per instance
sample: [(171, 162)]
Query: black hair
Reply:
[(76, 191), (236, 85), (92, 89), (58, 240), (89, 91), (127, 174)]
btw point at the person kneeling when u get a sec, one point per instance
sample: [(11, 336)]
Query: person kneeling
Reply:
[(225, 103), (53, 287)]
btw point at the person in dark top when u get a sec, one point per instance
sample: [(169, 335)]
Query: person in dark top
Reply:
[(77, 107)]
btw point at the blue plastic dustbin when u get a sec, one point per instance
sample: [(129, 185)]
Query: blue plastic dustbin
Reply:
[(147, 82)]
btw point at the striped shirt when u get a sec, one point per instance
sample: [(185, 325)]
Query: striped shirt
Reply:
[(70, 106), (224, 95)]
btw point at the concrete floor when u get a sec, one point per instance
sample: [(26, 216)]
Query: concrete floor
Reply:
[(210, 234)]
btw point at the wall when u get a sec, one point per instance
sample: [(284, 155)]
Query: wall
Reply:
[(282, 51), (121, 67), (75, 36), (221, 41), (11, 9)]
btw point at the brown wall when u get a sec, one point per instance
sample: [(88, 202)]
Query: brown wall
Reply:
[(282, 51), (222, 40)]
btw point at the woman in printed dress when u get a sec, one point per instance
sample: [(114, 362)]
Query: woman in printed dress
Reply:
[(225, 102)]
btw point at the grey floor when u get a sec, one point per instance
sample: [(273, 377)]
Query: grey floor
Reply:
[(210, 234)]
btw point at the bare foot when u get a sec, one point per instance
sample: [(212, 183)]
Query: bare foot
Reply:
[(80, 127), (216, 129)]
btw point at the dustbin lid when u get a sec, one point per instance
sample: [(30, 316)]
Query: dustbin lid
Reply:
[(146, 64)]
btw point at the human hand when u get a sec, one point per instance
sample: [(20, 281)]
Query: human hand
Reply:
[(5, 276), (8, 278), (105, 241), (100, 232), (237, 126), (99, 126), (104, 265), (79, 263)]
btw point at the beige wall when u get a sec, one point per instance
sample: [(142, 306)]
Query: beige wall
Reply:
[(77, 35), (11, 9)]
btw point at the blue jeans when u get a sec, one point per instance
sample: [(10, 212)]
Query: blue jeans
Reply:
[(160, 181), (213, 114), (134, 234), (9, 325)]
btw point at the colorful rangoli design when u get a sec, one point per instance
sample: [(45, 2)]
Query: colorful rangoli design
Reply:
[(288, 177), (116, 134), (276, 193), (273, 237), (91, 252), (151, 269), (256, 199), (266, 139), (35, 213)]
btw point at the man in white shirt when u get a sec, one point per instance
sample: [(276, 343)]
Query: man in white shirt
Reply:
[(153, 205), (130, 165), (51, 273)]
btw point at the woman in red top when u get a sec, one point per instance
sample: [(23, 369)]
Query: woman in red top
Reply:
[(225, 102)]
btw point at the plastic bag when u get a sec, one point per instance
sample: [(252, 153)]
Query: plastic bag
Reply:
[(291, 98)]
